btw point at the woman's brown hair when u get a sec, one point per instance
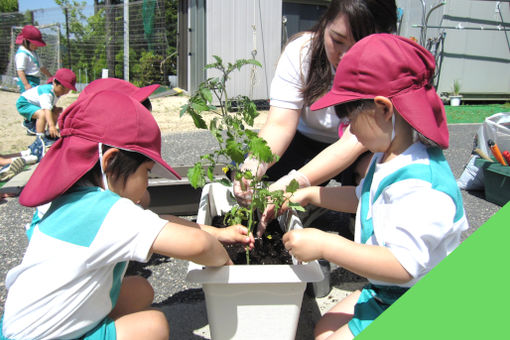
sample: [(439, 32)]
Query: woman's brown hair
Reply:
[(365, 17)]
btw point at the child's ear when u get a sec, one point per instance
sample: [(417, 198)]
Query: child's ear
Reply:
[(109, 156), (385, 105)]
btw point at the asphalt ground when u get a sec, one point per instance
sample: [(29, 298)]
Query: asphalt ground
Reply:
[(183, 302)]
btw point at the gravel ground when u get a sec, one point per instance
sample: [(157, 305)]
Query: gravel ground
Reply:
[(182, 301)]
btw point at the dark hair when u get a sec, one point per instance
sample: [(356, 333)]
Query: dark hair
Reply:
[(365, 17), (349, 108), (344, 109), (26, 44), (147, 104), (121, 165)]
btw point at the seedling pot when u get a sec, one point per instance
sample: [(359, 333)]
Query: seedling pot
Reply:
[(455, 100), (251, 301)]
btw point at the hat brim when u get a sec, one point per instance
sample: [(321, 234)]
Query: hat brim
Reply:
[(66, 84), (144, 92), (331, 99), (424, 111), (66, 161), (20, 38)]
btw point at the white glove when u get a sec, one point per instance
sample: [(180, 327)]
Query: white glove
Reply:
[(243, 191), (281, 184)]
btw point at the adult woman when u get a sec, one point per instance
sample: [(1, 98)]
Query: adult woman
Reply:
[(307, 140)]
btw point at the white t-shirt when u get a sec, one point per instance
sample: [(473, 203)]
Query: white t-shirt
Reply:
[(42, 96), (71, 273), (412, 216), (28, 62), (289, 79)]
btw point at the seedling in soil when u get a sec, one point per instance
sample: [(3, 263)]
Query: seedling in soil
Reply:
[(231, 129)]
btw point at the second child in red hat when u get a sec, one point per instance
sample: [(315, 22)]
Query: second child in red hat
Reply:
[(78, 253), (29, 66), (409, 210), (38, 105)]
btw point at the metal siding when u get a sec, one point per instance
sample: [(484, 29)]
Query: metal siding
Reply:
[(230, 36), (479, 59)]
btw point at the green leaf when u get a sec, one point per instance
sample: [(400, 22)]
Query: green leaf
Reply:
[(296, 206), (261, 150), (198, 121), (225, 182), (210, 173), (196, 175), (292, 187), (207, 95), (184, 110), (234, 151)]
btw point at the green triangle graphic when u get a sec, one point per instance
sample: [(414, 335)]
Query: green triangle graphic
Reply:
[(466, 296)]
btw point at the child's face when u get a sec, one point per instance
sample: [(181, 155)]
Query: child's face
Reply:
[(32, 47), (371, 129), (60, 90), (338, 39), (136, 184)]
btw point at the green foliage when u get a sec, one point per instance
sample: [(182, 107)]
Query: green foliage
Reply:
[(456, 87), (230, 127), (148, 71), (8, 6)]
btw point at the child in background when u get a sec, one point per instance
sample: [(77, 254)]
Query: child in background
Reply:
[(409, 209), (38, 105), (28, 64), (78, 253)]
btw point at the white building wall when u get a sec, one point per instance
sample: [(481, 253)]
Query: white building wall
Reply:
[(235, 29)]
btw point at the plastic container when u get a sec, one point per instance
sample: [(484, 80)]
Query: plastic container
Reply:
[(496, 181)]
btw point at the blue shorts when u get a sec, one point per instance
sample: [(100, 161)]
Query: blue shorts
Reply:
[(34, 81), (105, 330), (25, 108), (373, 301)]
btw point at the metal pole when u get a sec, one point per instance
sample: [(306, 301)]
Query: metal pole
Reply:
[(69, 61), (126, 40)]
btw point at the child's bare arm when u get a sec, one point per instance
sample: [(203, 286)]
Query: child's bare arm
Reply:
[(45, 71), (231, 234), (333, 198), (187, 241), (22, 76), (52, 126), (374, 262)]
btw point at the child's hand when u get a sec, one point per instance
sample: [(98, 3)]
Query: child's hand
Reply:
[(53, 131), (236, 234), (305, 244), (300, 197)]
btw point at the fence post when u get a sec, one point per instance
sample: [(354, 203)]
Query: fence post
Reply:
[(126, 40)]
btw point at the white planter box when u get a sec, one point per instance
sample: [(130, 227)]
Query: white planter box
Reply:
[(250, 301)]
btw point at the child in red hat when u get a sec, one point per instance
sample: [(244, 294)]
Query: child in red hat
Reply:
[(409, 209), (28, 64), (38, 105), (78, 253)]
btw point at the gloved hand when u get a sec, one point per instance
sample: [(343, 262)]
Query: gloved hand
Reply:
[(242, 191), (269, 214)]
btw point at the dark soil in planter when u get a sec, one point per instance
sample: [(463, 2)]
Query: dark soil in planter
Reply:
[(268, 249)]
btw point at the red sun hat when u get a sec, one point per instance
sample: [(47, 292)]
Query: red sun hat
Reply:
[(66, 77), (394, 67), (32, 34), (118, 85), (107, 117)]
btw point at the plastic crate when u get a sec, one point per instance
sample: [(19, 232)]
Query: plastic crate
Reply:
[(496, 181)]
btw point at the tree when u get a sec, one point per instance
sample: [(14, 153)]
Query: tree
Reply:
[(8, 6)]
